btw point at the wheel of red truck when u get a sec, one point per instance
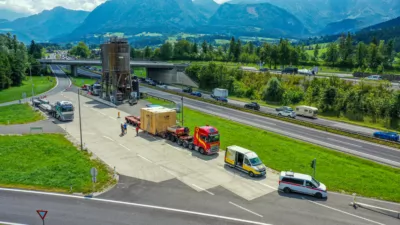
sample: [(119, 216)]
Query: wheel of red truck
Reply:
[(201, 150), (184, 144), (191, 147), (179, 142)]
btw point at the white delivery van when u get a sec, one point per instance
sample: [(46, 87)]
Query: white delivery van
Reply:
[(306, 111), (219, 93)]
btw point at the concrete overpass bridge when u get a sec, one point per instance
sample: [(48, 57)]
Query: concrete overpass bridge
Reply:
[(165, 72)]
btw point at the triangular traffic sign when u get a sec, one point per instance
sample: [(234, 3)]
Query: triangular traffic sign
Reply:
[(42, 213)]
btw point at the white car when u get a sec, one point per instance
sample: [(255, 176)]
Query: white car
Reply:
[(374, 77), (287, 113), (301, 183)]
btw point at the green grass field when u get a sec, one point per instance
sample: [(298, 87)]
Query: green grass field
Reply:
[(48, 162), (79, 81), (18, 114), (40, 85), (139, 71), (339, 171)]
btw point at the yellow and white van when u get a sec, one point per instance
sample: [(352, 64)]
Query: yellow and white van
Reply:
[(244, 160)]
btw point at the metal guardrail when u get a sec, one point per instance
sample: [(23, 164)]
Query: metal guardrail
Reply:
[(274, 116)]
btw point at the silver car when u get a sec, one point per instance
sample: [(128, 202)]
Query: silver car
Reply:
[(287, 113)]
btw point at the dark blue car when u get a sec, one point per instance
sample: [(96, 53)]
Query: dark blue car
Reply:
[(391, 136), (221, 99), (196, 93)]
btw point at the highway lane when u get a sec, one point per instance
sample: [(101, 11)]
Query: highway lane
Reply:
[(357, 147)]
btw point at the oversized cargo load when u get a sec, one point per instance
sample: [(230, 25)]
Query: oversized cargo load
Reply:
[(219, 93), (156, 120)]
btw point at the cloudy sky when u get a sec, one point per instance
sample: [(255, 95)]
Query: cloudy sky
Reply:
[(36, 6)]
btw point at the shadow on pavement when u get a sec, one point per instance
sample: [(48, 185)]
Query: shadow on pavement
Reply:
[(243, 174), (302, 196)]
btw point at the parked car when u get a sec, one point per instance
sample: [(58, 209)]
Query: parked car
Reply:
[(301, 183), (152, 83), (263, 69), (374, 77), (391, 136), (196, 93), (287, 113), (252, 105), (284, 108)]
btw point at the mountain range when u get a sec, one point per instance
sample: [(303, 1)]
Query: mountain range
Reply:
[(45, 25), (6, 14), (270, 18)]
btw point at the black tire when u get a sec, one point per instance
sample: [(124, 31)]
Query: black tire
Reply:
[(287, 190), (279, 114), (179, 142), (251, 174), (318, 195), (191, 146), (201, 150), (185, 144)]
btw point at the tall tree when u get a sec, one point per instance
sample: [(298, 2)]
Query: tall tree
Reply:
[(361, 54), (232, 48), (332, 53), (166, 51), (81, 50), (204, 47), (316, 52), (148, 52)]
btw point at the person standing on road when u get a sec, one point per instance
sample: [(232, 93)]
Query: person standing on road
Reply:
[(125, 128), (137, 130), (122, 129)]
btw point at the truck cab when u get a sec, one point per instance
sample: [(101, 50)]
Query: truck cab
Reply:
[(205, 140), (64, 111)]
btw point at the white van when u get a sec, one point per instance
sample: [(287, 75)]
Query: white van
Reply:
[(306, 111), (301, 183)]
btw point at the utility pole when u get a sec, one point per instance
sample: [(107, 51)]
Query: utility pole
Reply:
[(80, 118), (182, 109), (30, 73)]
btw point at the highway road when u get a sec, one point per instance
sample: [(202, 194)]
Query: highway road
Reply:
[(375, 152), (353, 146)]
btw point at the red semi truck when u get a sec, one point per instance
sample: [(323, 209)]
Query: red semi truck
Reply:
[(205, 139)]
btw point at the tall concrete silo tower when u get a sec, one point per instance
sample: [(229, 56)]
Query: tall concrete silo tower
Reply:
[(116, 82)]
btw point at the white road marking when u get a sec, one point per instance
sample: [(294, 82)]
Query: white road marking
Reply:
[(86, 106), (108, 138), (369, 199), (125, 147), (202, 189), (168, 171), (358, 146), (266, 185), (246, 209), (111, 117), (338, 210), (263, 121), (9, 223), (140, 205), (148, 160)]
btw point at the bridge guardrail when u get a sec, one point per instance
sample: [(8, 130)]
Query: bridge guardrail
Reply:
[(329, 129)]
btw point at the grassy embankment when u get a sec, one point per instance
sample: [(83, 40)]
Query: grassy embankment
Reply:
[(48, 162), (40, 85), (18, 114), (340, 172), (79, 80)]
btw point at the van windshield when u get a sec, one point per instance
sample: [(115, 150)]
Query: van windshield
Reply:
[(315, 182), (255, 161)]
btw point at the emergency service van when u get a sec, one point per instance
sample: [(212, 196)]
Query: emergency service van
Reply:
[(244, 160), (301, 183)]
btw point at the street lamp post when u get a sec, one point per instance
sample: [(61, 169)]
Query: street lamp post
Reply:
[(182, 110), (30, 73), (80, 118)]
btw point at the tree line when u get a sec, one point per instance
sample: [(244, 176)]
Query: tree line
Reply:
[(332, 96), (376, 55), (16, 59)]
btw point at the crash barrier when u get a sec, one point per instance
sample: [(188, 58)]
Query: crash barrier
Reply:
[(388, 212), (36, 128), (389, 77), (335, 130)]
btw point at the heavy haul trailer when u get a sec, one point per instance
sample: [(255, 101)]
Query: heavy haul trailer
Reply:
[(205, 139), (162, 122), (133, 120), (61, 110)]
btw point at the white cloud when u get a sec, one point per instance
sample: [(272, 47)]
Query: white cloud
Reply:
[(36, 6)]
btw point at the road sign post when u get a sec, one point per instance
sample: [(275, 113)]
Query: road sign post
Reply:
[(42, 213), (314, 166), (93, 172)]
